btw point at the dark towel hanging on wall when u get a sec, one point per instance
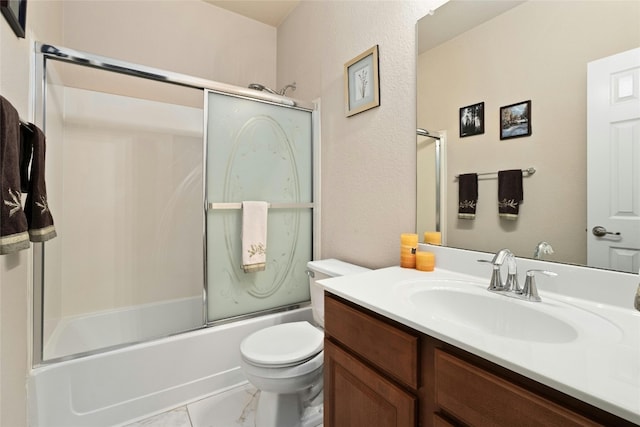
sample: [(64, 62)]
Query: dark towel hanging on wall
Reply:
[(467, 195), (36, 208), (510, 193), (13, 222), (22, 145), (26, 151)]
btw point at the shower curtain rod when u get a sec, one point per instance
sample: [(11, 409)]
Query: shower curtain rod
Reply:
[(150, 73)]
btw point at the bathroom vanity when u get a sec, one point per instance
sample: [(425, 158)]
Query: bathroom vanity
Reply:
[(391, 359)]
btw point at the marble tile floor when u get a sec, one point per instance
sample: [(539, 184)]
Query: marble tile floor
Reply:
[(232, 408)]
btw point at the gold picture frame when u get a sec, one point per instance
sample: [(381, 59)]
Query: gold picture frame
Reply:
[(362, 82)]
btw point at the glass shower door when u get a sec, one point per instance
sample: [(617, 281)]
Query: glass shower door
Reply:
[(125, 185), (257, 151)]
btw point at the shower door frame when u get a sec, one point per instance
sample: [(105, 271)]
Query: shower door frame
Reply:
[(45, 52)]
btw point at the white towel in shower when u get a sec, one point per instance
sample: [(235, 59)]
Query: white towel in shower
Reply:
[(254, 236)]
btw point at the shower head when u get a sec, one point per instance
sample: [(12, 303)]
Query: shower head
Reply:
[(424, 132), (260, 87), (282, 92)]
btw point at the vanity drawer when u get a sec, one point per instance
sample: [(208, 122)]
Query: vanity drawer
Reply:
[(477, 397), (391, 349)]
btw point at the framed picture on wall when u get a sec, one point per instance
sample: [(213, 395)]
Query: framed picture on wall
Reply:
[(361, 82), (472, 120), (15, 12), (515, 120)]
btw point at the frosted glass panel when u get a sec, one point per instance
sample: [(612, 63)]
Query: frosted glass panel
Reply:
[(257, 152), (124, 177)]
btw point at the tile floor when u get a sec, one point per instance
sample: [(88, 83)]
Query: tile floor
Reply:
[(233, 408)]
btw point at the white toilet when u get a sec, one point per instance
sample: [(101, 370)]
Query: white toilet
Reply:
[(285, 361)]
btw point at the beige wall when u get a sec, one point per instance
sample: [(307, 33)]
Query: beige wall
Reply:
[(184, 36), (368, 160), (537, 51)]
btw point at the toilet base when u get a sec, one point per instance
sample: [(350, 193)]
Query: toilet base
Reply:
[(278, 410), (286, 410)]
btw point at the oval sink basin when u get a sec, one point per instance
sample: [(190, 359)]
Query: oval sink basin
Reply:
[(469, 305), (494, 314)]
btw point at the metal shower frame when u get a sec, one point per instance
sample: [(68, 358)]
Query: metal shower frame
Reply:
[(44, 52)]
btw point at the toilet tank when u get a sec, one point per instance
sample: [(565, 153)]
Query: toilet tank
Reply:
[(324, 269)]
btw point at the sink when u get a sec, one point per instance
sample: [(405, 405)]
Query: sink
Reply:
[(497, 316), (470, 306)]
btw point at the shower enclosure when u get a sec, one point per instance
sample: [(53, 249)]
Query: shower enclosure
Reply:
[(146, 172), (431, 181)]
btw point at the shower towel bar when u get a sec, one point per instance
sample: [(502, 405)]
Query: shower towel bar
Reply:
[(217, 206), (526, 172)]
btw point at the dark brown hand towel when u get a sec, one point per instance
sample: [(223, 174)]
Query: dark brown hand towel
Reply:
[(467, 195), (13, 223), (509, 193), (36, 208), (25, 157)]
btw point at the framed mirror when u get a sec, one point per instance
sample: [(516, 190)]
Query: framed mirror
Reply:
[(502, 53)]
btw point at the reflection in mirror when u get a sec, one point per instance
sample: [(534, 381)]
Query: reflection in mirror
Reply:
[(431, 154), (538, 51)]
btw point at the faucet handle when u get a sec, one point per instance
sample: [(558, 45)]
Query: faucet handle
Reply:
[(512, 284), (496, 278), (530, 290)]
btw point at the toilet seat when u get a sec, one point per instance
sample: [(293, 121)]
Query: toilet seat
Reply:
[(281, 346), (295, 372)]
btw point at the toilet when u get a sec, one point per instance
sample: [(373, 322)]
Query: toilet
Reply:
[(285, 361)]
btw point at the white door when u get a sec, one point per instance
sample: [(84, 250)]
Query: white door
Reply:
[(613, 162)]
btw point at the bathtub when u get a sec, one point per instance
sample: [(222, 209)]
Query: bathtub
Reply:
[(120, 386), (89, 332)]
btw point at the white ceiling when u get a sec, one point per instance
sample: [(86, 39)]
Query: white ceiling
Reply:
[(270, 12), (457, 16)]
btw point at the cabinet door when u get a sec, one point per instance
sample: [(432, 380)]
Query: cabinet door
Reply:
[(358, 396), (479, 398)]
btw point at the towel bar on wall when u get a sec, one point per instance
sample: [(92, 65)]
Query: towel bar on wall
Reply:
[(218, 206), (526, 172)]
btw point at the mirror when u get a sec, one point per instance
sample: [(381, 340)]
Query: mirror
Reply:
[(506, 52)]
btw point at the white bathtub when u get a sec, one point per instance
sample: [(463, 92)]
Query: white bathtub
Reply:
[(108, 328), (119, 386)]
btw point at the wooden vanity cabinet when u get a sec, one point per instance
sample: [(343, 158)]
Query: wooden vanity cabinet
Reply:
[(379, 373), (370, 369)]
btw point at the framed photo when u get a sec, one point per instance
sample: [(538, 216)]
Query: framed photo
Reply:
[(361, 82), (472, 120), (15, 12), (515, 120)]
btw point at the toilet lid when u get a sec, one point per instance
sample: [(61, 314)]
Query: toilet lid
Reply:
[(283, 344)]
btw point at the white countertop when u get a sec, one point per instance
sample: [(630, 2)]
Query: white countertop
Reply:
[(601, 368)]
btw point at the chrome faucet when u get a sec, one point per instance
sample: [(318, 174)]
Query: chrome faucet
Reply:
[(543, 248), (511, 288), (511, 284)]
